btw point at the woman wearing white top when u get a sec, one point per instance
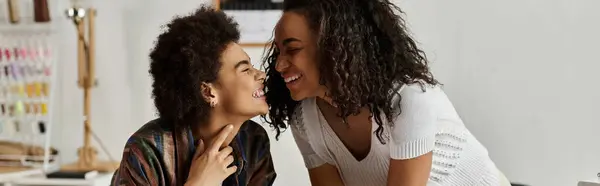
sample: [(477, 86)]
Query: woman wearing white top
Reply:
[(362, 104)]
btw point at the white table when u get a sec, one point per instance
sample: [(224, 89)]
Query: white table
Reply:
[(41, 180), (588, 183)]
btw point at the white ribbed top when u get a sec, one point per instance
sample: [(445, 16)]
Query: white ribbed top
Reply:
[(428, 122)]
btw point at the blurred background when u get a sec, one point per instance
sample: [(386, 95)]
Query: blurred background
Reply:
[(523, 75)]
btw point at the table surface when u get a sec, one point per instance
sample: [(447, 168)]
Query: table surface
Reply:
[(102, 179)]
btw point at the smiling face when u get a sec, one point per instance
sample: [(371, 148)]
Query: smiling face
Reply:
[(239, 87), (297, 60)]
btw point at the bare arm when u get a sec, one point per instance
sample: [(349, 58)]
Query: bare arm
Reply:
[(410, 172), (325, 175)]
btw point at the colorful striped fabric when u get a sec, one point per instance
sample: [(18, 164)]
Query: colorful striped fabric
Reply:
[(157, 154)]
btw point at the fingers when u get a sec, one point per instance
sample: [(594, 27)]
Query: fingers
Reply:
[(225, 152), (199, 149), (228, 161), (230, 170), (225, 132)]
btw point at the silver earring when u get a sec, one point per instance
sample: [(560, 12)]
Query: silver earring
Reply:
[(213, 103)]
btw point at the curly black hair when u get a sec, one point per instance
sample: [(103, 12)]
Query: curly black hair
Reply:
[(364, 54), (186, 55)]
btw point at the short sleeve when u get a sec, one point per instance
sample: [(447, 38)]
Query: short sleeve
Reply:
[(311, 159), (413, 131)]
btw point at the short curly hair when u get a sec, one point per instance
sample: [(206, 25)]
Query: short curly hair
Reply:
[(364, 53), (186, 55)]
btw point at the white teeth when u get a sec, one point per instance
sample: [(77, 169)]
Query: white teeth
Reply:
[(258, 93), (292, 78)]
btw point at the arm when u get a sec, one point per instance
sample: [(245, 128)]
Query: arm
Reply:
[(265, 173), (411, 172), (413, 138), (137, 166), (320, 172), (325, 175)]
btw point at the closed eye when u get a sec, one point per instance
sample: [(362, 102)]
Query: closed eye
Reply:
[(293, 50), (246, 70)]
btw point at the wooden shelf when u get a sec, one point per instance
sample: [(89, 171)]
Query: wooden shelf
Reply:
[(254, 45)]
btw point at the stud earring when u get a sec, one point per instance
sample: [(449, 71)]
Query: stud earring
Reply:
[(213, 103)]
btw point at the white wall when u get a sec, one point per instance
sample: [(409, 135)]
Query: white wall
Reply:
[(520, 72), (523, 75)]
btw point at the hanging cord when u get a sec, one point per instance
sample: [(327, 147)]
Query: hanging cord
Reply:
[(102, 146)]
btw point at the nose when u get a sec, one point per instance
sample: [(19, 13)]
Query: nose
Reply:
[(260, 76), (281, 64)]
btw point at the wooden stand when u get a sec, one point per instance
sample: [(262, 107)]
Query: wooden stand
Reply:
[(86, 80)]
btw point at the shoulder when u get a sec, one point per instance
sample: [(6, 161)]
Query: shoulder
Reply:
[(297, 119), (150, 136), (419, 90), (417, 95), (253, 131), (254, 128)]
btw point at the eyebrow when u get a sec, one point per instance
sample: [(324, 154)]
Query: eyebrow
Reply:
[(289, 40), (240, 63)]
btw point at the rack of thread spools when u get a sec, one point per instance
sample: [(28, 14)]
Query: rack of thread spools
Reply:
[(27, 81)]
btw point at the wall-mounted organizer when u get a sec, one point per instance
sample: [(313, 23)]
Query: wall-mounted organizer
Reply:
[(256, 19), (27, 81)]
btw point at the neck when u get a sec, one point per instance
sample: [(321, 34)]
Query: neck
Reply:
[(217, 121), (324, 95)]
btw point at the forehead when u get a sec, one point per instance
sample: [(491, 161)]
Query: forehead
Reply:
[(233, 54), (291, 24)]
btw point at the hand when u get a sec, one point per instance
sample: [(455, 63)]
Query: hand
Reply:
[(210, 166)]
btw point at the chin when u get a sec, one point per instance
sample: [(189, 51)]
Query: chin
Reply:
[(264, 112), (299, 96), (264, 109)]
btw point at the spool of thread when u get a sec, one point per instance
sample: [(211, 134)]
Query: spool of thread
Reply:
[(45, 89), (42, 127), (41, 12), (44, 108), (13, 11), (30, 89), (21, 90), (47, 71), (38, 89), (3, 109), (14, 70), (28, 108), (17, 54), (19, 108), (23, 52), (7, 71), (6, 54), (11, 110)]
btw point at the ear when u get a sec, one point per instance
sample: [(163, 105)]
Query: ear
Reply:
[(208, 92)]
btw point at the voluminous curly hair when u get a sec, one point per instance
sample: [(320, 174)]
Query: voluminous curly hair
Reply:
[(186, 55), (365, 54)]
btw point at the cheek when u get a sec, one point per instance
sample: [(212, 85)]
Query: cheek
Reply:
[(308, 66), (242, 89)]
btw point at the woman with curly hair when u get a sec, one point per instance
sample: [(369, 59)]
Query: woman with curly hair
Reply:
[(361, 102), (205, 90)]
